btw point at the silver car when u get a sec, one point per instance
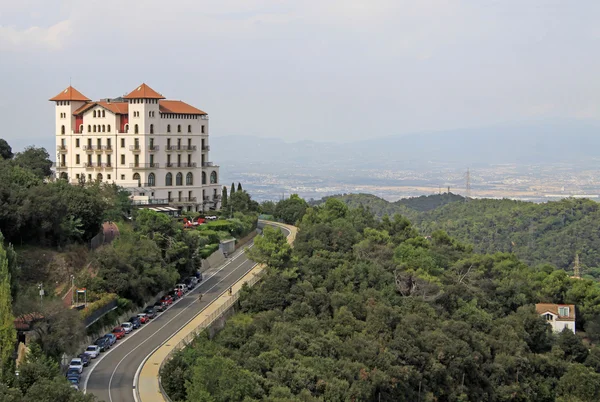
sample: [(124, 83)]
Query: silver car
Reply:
[(127, 326)]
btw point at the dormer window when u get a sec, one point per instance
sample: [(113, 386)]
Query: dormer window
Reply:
[(548, 317), (563, 311)]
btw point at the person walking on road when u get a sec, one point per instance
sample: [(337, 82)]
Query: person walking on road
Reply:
[(200, 297)]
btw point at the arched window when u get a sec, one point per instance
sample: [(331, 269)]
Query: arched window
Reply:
[(151, 180), (126, 128), (203, 177), (108, 128), (103, 113), (189, 179), (62, 129), (151, 128), (94, 128), (213, 178), (137, 129), (169, 179), (64, 176), (94, 113), (81, 128), (189, 128), (179, 128), (89, 128), (103, 128), (136, 177), (99, 176), (179, 179), (168, 128)]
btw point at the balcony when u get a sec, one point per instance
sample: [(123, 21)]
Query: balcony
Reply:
[(107, 148), (209, 164), (61, 148), (60, 165), (89, 148), (135, 148), (152, 201), (183, 200), (153, 148), (143, 165), (91, 165), (206, 148), (181, 165)]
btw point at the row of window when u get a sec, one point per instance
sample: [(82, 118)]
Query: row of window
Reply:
[(103, 112), (63, 115), (136, 114), (142, 101), (63, 103), (105, 128), (135, 140)]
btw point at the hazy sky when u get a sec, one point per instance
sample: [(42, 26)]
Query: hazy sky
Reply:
[(322, 70)]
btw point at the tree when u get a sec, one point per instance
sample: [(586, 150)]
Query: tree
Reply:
[(8, 335), (59, 330), (5, 150), (291, 210), (271, 248), (13, 266), (239, 188), (241, 201), (224, 198), (35, 159), (232, 189), (267, 207)]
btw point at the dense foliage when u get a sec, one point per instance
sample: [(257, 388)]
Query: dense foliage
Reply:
[(367, 309), (546, 233)]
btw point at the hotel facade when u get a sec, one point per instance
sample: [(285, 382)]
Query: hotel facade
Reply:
[(155, 148)]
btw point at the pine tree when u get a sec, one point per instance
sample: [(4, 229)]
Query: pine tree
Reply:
[(224, 198), (232, 192), (239, 187), (8, 335)]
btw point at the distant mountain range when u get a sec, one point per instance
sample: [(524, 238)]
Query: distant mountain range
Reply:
[(526, 143)]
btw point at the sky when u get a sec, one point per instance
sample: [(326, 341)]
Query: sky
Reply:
[(326, 70)]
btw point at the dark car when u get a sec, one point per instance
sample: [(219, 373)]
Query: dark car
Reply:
[(103, 343), (190, 283), (174, 295), (198, 276), (159, 307), (85, 359), (73, 373), (150, 313), (135, 321)]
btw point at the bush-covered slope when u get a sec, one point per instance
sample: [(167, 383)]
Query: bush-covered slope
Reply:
[(366, 310)]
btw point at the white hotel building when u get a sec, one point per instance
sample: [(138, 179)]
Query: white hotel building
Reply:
[(155, 148)]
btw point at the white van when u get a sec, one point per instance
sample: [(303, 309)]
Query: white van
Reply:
[(182, 287)]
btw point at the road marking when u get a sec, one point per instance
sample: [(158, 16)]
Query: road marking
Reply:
[(155, 332), (100, 358)]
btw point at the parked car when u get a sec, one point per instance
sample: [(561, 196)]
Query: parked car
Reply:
[(76, 364), (75, 387), (174, 295), (74, 380), (127, 327), (159, 306), (103, 344), (93, 351), (135, 321), (181, 287), (143, 318), (112, 339), (118, 332), (167, 300), (191, 282), (85, 359), (150, 312), (198, 276)]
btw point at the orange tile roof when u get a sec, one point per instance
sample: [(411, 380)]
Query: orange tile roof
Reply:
[(70, 94), (543, 308), (115, 107), (178, 107), (144, 92)]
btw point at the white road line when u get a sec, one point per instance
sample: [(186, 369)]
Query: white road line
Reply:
[(155, 332), (204, 281)]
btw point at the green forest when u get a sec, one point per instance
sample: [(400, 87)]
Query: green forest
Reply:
[(547, 233), (367, 309)]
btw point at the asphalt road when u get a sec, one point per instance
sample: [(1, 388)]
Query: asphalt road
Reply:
[(110, 376)]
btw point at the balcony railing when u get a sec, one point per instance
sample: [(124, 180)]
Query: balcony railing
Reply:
[(209, 164), (140, 184), (182, 200), (153, 148), (206, 148), (152, 201), (143, 165), (61, 148), (89, 148), (135, 148), (60, 165), (107, 148), (181, 165), (91, 165)]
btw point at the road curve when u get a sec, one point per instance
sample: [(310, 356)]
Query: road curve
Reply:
[(111, 376)]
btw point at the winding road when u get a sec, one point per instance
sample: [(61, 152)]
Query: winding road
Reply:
[(111, 376)]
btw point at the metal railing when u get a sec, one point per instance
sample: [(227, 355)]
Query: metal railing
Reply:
[(61, 148), (181, 164), (182, 200), (135, 148), (59, 165), (143, 165), (206, 148), (153, 148), (209, 164), (152, 201)]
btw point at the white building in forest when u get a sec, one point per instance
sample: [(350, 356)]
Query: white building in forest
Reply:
[(156, 148), (559, 316)]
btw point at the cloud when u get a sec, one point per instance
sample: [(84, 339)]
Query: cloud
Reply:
[(35, 37)]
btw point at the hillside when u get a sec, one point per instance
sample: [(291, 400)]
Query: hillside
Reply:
[(551, 232)]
